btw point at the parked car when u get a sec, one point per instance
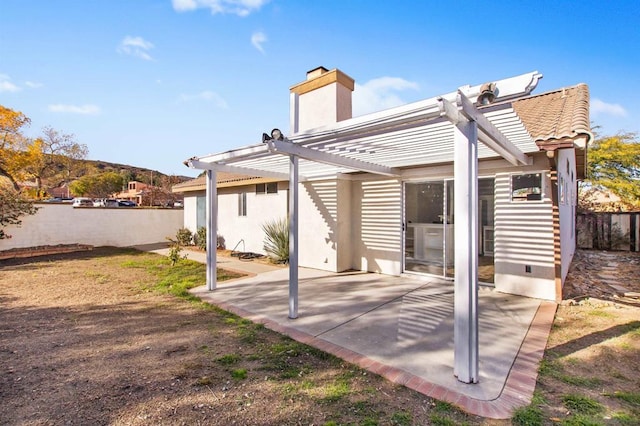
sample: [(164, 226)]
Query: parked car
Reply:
[(127, 203), (58, 200), (82, 202), (106, 202)]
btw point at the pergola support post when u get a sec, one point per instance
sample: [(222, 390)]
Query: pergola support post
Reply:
[(466, 251), (293, 236), (211, 212)]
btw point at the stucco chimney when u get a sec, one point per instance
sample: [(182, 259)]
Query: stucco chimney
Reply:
[(324, 98)]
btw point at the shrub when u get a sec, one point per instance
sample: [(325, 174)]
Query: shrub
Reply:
[(175, 248), (276, 242), (184, 237), (200, 238)]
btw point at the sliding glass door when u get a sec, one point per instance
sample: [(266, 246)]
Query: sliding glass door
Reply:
[(429, 228)]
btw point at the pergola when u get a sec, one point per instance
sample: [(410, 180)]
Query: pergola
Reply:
[(391, 143)]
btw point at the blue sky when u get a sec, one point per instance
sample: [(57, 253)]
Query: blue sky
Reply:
[(153, 82)]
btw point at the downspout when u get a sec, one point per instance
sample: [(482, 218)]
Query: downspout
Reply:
[(555, 207)]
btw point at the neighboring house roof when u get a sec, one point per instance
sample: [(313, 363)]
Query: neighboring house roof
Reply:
[(559, 119), (223, 180)]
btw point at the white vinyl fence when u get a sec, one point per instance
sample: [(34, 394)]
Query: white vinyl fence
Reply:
[(56, 224)]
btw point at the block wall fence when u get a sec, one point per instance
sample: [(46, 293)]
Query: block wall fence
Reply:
[(56, 224)]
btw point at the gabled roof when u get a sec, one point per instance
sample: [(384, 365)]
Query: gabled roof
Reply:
[(559, 119), (223, 180), (556, 116)]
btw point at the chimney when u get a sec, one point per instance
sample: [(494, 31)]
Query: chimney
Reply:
[(324, 98)]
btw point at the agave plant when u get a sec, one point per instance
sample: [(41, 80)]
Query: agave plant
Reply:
[(276, 242)]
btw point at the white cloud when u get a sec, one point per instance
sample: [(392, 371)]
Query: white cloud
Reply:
[(75, 109), (237, 7), (33, 84), (136, 46), (257, 39), (207, 96), (6, 85), (599, 107), (379, 93)]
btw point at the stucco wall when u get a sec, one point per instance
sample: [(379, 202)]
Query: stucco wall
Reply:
[(244, 233), (524, 261), (325, 225), (57, 224), (567, 201), (190, 210), (377, 226), (318, 108)]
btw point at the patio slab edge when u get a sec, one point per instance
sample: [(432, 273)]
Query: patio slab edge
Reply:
[(517, 391)]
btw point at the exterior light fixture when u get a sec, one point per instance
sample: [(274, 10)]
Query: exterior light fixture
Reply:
[(487, 94), (276, 134)]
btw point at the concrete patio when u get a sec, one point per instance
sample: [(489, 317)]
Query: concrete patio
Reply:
[(398, 327), (402, 329)]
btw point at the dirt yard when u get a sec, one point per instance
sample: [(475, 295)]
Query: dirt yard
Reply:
[(94, 338)]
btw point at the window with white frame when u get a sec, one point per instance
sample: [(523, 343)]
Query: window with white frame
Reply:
[(242, 204), (526, 187)]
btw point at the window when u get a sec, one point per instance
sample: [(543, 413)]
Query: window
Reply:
[(201, 213), (526, 187), (267, 188), (242, 204)]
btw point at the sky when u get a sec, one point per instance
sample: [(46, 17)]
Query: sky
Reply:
[(151, 83)]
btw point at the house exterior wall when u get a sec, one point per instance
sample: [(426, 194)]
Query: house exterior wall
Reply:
[(356, 223), (318, 225), (377, 226), (57, 224), (524, 239), (244, 233), (567, 202), (190, 210)]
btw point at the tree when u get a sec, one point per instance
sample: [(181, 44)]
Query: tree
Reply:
[(53, 155), (101, 185), (12, 207), (12, 144), (614, 165)]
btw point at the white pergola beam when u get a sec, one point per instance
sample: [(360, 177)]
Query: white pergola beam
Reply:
[(236, 154), (449, 111), (490, 135), (465, 332), (293, 236), (211, 213), (289, 148), (203, 165)]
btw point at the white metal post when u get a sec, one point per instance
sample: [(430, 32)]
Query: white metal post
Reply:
[(293, 236), (466, 251), (212, 228)]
